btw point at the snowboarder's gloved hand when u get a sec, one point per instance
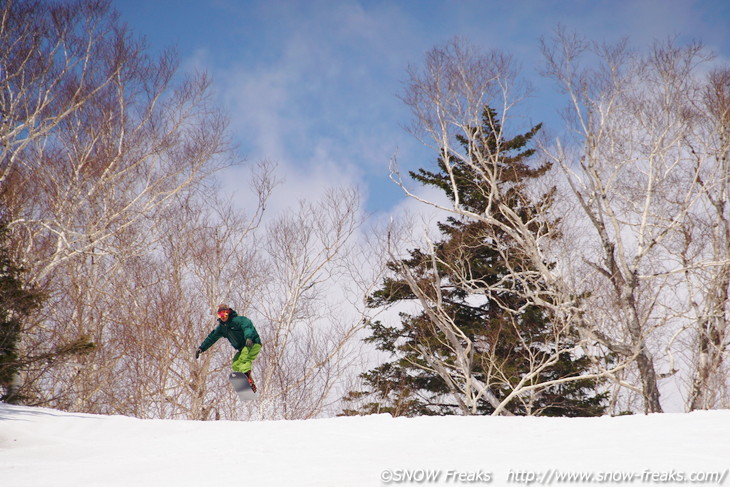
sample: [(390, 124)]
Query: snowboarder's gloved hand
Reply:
[(249, 343), (197, 353)]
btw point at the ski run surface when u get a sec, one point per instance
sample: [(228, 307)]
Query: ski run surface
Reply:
[(48, 448)]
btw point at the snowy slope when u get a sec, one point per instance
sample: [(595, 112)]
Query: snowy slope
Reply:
[(42, 447)]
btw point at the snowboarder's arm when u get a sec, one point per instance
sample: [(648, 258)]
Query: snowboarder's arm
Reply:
[(249, 332), (212, 337)]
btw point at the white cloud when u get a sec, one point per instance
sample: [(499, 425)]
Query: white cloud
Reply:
[(312, 86)]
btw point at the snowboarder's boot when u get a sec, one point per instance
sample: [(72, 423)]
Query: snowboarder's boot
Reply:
[(250, 381)]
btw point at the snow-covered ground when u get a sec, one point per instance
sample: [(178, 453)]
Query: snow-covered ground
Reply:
[(43, 447)]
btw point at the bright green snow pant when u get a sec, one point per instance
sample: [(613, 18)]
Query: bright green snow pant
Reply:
[(242, 360)]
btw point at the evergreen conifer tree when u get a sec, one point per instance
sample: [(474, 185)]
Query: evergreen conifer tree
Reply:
[(407, 385), (15, 301), (18, 302)]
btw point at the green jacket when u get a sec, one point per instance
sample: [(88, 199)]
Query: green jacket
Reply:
[(237, 330)]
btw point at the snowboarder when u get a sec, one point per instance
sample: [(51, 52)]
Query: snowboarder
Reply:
[(242, 335)]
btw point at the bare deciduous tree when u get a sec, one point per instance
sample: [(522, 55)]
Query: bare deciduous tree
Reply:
[(639, 184), (98, 142), (704, 247), (308, 331), (54, 58), (106, 159)]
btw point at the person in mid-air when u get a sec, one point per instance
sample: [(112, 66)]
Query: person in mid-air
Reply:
[(242, 335)]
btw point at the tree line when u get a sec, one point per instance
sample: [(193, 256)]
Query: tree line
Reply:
[(118, 232), (571, 276), (577, 275)]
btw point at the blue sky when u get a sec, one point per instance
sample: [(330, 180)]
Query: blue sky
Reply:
[(312, 84)]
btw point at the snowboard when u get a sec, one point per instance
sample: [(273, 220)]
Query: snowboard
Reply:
[(240, 384)]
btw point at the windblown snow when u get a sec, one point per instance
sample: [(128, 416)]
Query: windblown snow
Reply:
[(44, 447)]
